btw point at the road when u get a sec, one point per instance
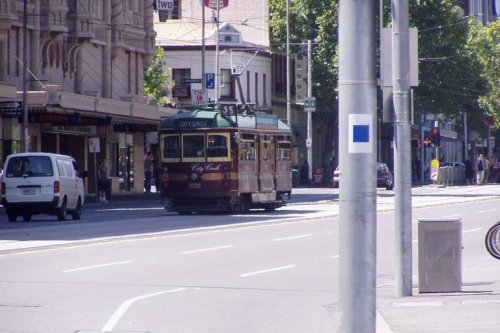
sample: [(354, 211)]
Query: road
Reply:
[(144, 270)]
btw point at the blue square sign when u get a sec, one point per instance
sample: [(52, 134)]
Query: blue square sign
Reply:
[(361, 133)]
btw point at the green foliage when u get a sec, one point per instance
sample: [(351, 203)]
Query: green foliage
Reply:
[(155, 79), (484, 43), (450, 76)]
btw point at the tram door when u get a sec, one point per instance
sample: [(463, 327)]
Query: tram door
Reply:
[(266, 163)]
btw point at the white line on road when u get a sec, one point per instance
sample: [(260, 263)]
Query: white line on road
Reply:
[(110, 324), (487, 211), (336, 256), (291, 237), (98, 266), (471, 230), (208, 249), (453, 215), (267, 270)]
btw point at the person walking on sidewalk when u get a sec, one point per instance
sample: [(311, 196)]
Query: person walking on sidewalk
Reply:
[(480, 169), (102, 180)]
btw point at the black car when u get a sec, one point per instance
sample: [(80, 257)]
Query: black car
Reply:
[(384, 176)]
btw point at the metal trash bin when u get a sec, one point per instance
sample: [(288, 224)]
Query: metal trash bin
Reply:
[(440, 255)]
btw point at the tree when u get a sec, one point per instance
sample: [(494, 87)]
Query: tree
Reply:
[(484, 43), (315, 20), (450, 75), (155, 79)]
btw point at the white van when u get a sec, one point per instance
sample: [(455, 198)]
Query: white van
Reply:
[(42, 183)]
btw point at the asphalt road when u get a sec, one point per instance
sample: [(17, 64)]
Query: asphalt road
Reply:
[(259, 272)]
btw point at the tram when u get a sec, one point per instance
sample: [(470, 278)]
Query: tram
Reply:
[(212, 160)]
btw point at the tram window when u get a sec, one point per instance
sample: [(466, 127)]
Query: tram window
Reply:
[(217, 146), (284, 151), (171, 147), (266, 151), (193, 146), (247, 150)]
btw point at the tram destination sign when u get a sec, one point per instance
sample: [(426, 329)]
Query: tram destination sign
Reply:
[(193, 123)]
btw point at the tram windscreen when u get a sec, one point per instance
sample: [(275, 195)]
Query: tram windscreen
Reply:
[(171, 146), (217, 146), (193, 146)]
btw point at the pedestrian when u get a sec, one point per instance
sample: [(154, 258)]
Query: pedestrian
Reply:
[(102, 180), (148, 171), (469, 172), (480, 169), (487, 166)]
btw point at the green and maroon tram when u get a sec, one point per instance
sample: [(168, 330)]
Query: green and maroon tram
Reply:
[(216, 162)]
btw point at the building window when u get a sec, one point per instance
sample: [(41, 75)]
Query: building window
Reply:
[(181, 88), (256, 88)]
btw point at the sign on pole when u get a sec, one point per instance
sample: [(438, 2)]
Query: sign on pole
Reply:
[(167, 5), (198, 97), (213, 4), (309, 104)]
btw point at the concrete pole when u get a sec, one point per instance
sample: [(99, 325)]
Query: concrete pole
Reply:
[(357, 147), (402, 147), (216, 76), (309, 113), (203, 83), (25, 134), (288, 105)]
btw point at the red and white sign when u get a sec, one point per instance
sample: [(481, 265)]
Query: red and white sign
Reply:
[(197, 96), (213, 3)]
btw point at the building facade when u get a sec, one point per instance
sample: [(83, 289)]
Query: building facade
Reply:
[(244, 50), (84, 84)]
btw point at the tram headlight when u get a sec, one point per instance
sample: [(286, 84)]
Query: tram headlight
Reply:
[(194, 177)]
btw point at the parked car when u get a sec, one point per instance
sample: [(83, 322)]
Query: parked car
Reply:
[(385, 177), (42, 183)]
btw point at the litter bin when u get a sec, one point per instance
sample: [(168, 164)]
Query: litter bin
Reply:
[(440, 255), (108, 189)]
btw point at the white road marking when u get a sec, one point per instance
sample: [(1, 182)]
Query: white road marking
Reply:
[(336, 256), (208, 249), (291, 237), (471, 230), (110, 324), (267, 271), (382, 325), (97, 266), (488, 210), (453, 215), (416, 304)]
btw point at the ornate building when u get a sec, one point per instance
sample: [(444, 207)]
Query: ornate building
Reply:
[(85, 61)]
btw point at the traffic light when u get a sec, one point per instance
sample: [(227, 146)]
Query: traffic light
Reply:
[(435, 136)]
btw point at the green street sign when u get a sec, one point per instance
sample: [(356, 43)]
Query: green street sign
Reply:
[(310, 104)]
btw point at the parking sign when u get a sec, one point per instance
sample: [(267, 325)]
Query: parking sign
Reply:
[(210, 80)]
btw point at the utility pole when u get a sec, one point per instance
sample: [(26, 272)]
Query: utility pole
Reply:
[(203, 83), (288, 105), (309, 113), (357, 145), (402, 147), (216, 76), (25, 134)]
